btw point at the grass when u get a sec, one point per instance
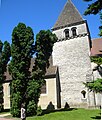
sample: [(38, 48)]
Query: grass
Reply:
[(71, 114)]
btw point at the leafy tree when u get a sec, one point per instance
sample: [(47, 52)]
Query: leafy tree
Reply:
[(5, 54), (95, 8), (96, 85), (21, 52), (43, 47), (97, 60)]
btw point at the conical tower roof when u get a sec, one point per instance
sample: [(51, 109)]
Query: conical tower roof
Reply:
[(69, 15)]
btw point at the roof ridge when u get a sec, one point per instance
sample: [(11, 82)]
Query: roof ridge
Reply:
[(68, 15)]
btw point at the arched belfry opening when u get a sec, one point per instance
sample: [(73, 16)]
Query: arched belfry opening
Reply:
[(74, 33), (66, 32)]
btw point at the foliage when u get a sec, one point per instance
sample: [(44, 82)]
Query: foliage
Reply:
[(21, 51), (43, 47), (31, 108), (39, 111), (96, 59), (44, 44), (4, 58), (95, 85), (95, 8), (25, 87), (100, 28), (32, 97)]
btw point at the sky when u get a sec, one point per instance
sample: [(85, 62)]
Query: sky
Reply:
[(39, 15)]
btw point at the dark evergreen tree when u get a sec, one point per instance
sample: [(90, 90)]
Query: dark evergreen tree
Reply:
[(21, 52), (5, 54), (43, 47)]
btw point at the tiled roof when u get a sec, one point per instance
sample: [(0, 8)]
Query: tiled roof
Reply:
[(69, 15), (96, 49), (50, 72)]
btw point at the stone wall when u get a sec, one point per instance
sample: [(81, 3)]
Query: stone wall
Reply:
[(72, 58)]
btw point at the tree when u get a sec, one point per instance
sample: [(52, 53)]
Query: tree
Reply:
[(25, 86), (95, 8), (5, 54), (21, 52), (43, 47), (96, 85)]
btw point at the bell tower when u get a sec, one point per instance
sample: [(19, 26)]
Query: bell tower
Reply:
[(71, 53)]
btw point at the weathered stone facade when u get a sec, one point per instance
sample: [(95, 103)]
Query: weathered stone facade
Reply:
[(72, 56)]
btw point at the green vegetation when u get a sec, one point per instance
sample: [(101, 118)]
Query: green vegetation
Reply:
[(21, 52), (96, 59), (43, 47), (26, 85), (5, 54), (71, 114), (95, 8)]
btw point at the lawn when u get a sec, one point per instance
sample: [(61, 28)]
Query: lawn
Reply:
[(73, 114)]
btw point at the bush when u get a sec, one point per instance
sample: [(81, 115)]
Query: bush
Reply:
[(31, 108), (39, 111)]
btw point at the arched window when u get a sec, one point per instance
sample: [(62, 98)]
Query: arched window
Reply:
[(83, 93), (74, 32), (43, 88), (66, 31)]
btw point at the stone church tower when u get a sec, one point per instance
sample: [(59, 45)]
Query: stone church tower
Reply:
[(71, 53)]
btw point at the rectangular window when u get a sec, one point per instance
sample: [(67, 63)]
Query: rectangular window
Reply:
[(43, 88)]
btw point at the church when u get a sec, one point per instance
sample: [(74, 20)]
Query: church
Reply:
[(70, 65)]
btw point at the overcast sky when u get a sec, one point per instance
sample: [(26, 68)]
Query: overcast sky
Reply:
[(38, 14)]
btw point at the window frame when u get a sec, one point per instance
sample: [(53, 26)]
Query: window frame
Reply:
[(74, 32), (66, 32)]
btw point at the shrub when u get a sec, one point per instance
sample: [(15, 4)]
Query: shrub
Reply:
[(39, 111)]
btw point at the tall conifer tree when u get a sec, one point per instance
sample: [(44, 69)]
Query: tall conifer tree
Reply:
[(43, 47), (21, 51), (4, 58)]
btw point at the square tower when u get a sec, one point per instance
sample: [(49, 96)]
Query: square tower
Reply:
[(71, 53)]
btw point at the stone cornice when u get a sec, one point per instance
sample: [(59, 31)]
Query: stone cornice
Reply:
[(78, 23)]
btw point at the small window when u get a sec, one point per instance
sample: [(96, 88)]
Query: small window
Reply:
[(66, 33), (83, 93), (43, 88), (8, 89), (74, 32)]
